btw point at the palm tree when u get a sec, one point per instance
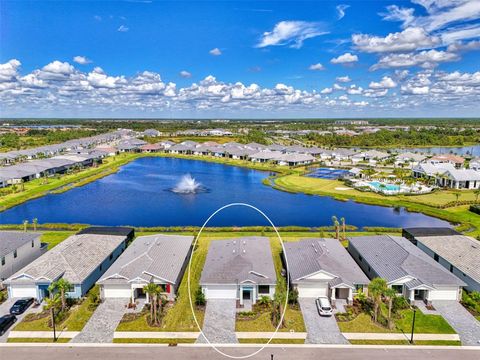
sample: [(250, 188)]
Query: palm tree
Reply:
[(390, 294), (457, 196), (477, 194), (376, 289), (336, 226), (35, 222), (344, 227), (63, 286), (153, 290), (25, 225), (52, 303)]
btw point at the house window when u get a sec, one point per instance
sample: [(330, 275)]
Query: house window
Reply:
[(398, 288), (451, 268), (15, 254), (3, 260), (111, 256), (100, 268), (33, 243), (263, 289), (369, 269), (360, 258), (436, 257), (71, 289)]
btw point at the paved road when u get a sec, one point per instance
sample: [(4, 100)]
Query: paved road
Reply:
[(104, 321), (320, 330), (195, 353), (461, 320), (219, 322)]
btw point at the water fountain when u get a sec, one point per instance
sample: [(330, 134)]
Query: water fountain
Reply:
[(188, 185)]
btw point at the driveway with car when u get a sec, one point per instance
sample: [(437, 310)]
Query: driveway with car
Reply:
[(104, 321), (464, 323), (5, 310), (320, 329), (219, 322)]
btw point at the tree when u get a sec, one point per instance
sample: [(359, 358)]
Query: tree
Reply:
[(457, 196), (369, 172), (376, 289), (344, 227), (477, 194), (153, 290), (390, 294), (35, 223), (336, 226), (63, 286), (52, 303)]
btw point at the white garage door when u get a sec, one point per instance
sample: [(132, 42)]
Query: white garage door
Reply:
[(22, 291), (221, 292), (444, 294), (117, 291), (312, 290)]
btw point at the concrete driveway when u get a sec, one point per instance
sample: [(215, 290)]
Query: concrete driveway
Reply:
[(320, 330), (461, 320), (219, 322), (104, 321), (5, 310)]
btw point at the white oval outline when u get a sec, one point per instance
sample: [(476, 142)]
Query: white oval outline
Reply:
[(189, 288)]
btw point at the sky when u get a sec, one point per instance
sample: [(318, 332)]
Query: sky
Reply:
[(240, 59)]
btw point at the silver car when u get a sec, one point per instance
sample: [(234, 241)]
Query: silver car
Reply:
[(323, 306)]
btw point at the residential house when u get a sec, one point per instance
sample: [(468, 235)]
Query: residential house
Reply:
[(455, 160), (323, 267), (80, 259), (158, 258), (408, 159), (405, 267), (294, 159), (458, 253), (18, 249), (240, 269)]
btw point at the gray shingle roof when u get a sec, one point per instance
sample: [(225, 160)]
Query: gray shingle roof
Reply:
[(461, 251), (394, 257), (11, 240), (234, 261), (162, 256), (309, 256), (74, 259)]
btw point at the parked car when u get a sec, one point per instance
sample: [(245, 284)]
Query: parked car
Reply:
[(5, 322), (323, 306), (20, 306)]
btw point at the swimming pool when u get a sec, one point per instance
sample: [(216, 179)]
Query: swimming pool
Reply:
[(327, 173), (384, 186)]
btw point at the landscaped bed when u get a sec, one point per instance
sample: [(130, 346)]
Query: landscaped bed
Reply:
[(259, 320)]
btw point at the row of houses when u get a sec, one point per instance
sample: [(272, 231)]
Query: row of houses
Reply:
[(422, 265)]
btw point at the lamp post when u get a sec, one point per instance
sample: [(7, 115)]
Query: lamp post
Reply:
[(53, 324), (413, 325)]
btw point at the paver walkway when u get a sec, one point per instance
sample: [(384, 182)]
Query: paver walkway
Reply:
[(461, 320), (219, 322), (320, 330), (104, 321)]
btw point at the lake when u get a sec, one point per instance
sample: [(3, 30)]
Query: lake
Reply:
[(139, 195)]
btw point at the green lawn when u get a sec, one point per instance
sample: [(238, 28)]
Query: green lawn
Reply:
[(76, 320), (406, 342), (53, 238), (424, 324)]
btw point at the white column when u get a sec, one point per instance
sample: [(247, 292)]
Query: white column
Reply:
[(241, 295), (412, 296), (133, 295), (350, 295)]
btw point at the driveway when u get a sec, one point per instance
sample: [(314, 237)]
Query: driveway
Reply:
[(5, 310), (104, 321), (320, 330), (219, 322), (461, 320)]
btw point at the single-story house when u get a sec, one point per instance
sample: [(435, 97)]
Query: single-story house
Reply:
[(152, 133), (161, 259), (405, 267), (294, 159), (265, 156), (149, 148), (240, 269), (458, 253), (409, 159), (79, 259), (323, 267), (18, 249), (455, 160)]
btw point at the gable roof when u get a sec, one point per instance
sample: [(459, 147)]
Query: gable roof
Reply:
[(74, 259), (238, 260), (12, 240), (394, 257), (309, 256), (461, 251), (160, 256)]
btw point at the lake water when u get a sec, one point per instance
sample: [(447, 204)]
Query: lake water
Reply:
[(139, 195)]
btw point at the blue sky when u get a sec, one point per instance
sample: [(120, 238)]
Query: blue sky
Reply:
[(240, 59)]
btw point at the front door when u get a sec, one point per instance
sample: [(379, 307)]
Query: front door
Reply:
[(247, 294)]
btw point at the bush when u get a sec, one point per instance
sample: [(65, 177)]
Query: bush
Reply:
[(199, 297), (475, 209), (399, 303), (293, 297), (94, 297)]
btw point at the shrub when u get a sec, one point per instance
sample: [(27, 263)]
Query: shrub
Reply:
[(475, 209), (293, 297), (199, 297), (399, 303)]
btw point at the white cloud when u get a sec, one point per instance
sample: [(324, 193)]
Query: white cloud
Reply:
[(346, 58), (82, 60), (341, 11), (409, 39), (354, 90), (425, 59), (123, 28), (316, 66), (343, 79), (9, 70), (464, 46), (386, 83), (185, 74), (395, 13), (460, 33), (215, 52), (58, 67), (292, 33), (326, 91)]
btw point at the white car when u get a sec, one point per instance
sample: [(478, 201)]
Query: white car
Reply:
[(323, 306)]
